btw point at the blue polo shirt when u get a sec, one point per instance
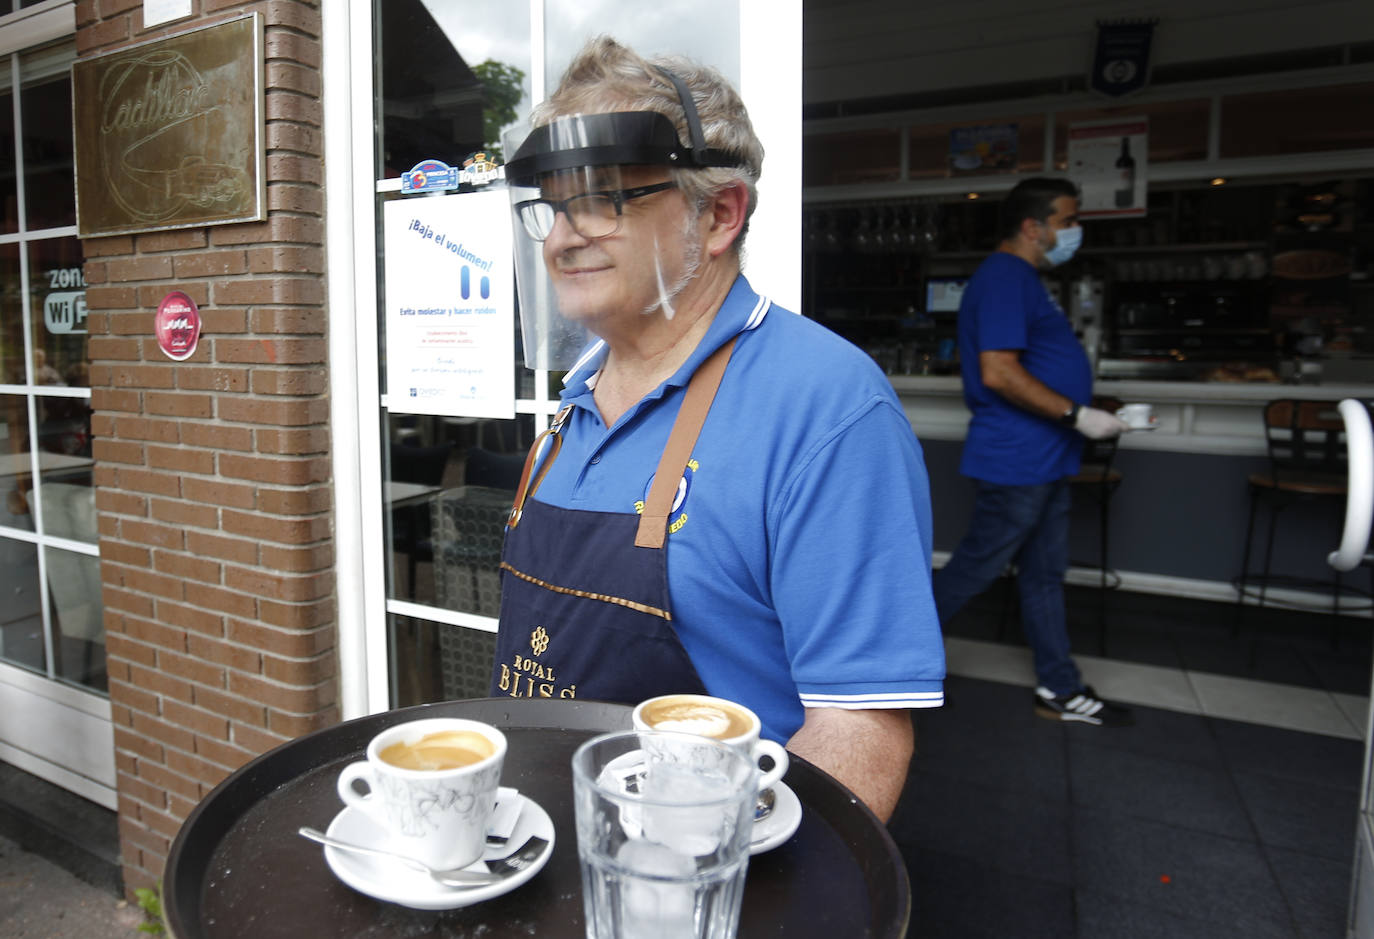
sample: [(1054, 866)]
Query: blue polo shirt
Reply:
[(799, 544), (1005, 306)]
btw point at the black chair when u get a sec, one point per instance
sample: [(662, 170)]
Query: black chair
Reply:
[(469, 526), (1307, 463), (492, 469), (410, 521)]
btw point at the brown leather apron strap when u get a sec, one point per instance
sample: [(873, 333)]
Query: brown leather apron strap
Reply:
[(701, 391), (525, 488)]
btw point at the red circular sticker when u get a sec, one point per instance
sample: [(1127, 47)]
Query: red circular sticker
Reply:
[(177, 326)]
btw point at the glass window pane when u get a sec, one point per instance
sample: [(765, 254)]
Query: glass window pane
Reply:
[(65, 482), (64, 428), (449, 484), (9, 184), (76, 613), (421, 465), (1304, 120), (438, 662), (49, 173), (16, 480), (21, 623), (449, 82), (1178, 129), (58, 313), (12, 364)]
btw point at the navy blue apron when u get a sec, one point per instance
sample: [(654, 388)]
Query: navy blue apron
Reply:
[(585, 610)]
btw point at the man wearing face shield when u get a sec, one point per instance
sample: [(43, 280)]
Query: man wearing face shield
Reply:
[(731, 500), (1027, 380)]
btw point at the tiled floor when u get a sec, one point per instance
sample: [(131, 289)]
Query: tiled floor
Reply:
[(1229, 809), (1304, 649)]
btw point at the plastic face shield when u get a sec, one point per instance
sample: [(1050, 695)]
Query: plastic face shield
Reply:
[(549, 339), (568, 172)]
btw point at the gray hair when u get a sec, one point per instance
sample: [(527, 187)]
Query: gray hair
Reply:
[(607, 76)]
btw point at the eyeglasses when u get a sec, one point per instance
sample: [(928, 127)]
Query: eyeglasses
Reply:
[(591, 214)]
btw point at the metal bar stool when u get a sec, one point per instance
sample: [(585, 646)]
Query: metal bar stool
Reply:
[(1307, 462), (1098, 477)]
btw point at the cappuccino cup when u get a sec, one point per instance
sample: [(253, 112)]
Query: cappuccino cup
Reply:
[(432, 786), (726, 721), (1136, 415)]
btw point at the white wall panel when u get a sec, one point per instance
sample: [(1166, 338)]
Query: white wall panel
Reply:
[(59, 733)]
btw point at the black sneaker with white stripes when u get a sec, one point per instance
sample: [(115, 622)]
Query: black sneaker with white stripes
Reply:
[(1083, 706)]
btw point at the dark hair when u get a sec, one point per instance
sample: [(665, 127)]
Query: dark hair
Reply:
[(1032, 198)]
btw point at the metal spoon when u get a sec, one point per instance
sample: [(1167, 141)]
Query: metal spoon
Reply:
[(764, 806), (498, 869)]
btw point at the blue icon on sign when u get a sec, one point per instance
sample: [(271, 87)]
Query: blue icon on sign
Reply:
[(465, 284)]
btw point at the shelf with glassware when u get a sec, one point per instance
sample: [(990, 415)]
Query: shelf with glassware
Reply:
[(1323, 256), (875, 273), (1183, 293)]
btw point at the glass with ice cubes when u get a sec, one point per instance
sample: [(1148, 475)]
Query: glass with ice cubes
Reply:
[(663, 828)]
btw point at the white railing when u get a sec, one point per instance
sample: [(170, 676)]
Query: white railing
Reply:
[(1359, 506)]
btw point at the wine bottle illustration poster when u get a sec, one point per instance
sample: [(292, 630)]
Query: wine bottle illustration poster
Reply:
[(1108, 160)]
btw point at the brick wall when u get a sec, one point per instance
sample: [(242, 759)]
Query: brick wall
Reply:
[(213, 474)]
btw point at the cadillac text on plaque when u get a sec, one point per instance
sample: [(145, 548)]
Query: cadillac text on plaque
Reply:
[(169, 132)]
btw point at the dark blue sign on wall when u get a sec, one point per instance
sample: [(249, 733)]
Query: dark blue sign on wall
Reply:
[(1121, 62)]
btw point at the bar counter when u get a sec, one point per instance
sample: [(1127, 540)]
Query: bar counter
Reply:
[(1194, 417), (1179, 519)]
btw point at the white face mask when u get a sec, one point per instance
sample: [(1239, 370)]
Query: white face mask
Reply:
[(1066, 242)]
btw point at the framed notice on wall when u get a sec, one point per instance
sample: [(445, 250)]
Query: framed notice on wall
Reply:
[(982, 149), (169, 133), (1109, 162), (450, 305)]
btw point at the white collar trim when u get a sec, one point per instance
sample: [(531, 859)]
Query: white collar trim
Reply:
[(598, 348)]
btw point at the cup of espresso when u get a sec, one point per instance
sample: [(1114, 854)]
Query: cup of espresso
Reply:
[(732, 724), (1136, 415), (432, 785)]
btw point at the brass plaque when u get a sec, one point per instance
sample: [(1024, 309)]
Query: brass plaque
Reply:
[(169, 133)]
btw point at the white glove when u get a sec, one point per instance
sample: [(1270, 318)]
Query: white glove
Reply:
[(1097, 424)]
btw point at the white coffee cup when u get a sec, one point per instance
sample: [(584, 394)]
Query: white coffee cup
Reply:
[(731, 723), (1136, 415), (432, 786)]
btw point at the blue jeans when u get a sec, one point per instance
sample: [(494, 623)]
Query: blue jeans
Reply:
[(1028, 525)]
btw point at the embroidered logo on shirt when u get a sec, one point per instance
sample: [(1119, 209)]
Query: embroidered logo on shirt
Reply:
[(684, 489)]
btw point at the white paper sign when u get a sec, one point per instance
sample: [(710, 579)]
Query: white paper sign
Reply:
[(1108, 161), (450, 305)]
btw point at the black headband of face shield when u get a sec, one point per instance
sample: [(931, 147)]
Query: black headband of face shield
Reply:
[(618, 138)]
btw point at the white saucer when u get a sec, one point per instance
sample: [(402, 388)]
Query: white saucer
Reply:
[(780, 824), (1150, 426), (396, 882)]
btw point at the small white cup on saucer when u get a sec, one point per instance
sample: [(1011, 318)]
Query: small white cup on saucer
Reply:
[(731, 723), (1138, 416), (432, 786)]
